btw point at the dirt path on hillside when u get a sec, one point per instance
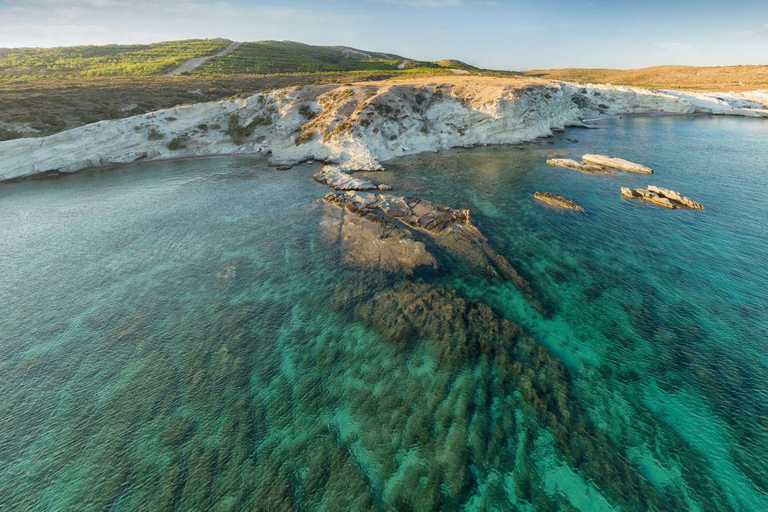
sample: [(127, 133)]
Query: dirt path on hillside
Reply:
[(197, 61)]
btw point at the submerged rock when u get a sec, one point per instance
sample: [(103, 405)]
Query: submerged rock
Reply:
[(501, 373), (661, 196), (336, 179), (558, 201), (617, 163), (578, 166)]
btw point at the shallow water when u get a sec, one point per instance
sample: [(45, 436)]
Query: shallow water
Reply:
[(180, 335)]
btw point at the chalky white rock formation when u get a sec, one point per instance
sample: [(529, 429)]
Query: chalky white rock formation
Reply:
[(356, 126)]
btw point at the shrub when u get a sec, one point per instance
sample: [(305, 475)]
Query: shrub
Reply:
[(304, 137), (154, 134), (6, 134), (178, 143), (238, 132), (307, 112)]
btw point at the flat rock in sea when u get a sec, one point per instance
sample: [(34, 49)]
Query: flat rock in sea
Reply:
[(338, 180), (578, 166), (661, 197), (617, 163), (557, 201)]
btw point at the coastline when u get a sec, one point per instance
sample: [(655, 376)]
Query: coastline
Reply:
[(357, 126)]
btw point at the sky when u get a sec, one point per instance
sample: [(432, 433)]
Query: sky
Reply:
[(495, 34)]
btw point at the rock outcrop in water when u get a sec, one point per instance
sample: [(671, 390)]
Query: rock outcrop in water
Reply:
[(661, 196), (355, 126), (399, 220), (371, 240), (569, 163), (557, 201), (338, 180), (617, 163)]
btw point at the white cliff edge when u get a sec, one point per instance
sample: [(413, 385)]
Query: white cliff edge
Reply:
[(356, 127)]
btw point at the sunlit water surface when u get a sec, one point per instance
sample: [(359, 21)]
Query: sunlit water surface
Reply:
[(180, 335)]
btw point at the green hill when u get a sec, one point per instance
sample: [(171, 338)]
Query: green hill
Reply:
[(266, 57), (109, 60), (260, 58)]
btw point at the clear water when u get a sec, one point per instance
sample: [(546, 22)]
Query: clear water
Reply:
[(180, 335)]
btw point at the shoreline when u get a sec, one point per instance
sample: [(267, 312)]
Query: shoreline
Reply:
[(354, 126), (277, 167)]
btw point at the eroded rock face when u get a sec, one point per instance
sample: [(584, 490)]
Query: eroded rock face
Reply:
[(661, 197), (557, 201), (569, 163), (617, 163), (448, 228)]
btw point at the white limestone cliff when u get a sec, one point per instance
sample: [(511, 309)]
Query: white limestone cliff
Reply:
[(357, 126)]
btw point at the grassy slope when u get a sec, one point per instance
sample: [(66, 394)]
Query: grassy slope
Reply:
[(719, 78)]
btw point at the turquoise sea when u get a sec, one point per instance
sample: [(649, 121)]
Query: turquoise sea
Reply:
[(181, 336)]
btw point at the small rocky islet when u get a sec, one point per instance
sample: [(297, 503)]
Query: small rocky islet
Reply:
[(557, 201), (596, 164), (569, 163), (600, 164), (661, 197), (616, 163)]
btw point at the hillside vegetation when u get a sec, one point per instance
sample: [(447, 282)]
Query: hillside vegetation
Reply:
[(716, 78), (109, 60), (265, 57), (261, 58)]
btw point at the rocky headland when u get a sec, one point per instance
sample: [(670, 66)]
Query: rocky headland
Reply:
[(357, 126)]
